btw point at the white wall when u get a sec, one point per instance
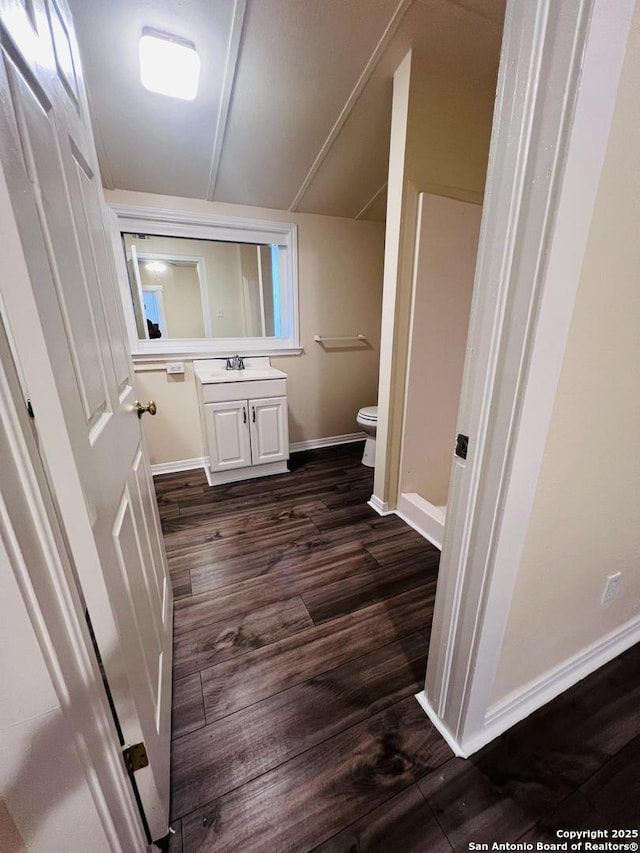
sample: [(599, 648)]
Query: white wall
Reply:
[(447, 245), (584, 523), (340, 282)]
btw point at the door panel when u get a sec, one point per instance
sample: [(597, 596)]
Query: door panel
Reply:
[(65, 63), (96, 249), (269, 430), (84, 197), (26, 24), (80, 383), (76, 292), (154, 579), (126, 537), (228, 430)]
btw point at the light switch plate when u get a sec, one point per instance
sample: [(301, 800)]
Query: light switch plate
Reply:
[(174, 367), (611, 587)]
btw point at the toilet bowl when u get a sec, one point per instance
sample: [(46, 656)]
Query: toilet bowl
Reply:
[(367, 420)]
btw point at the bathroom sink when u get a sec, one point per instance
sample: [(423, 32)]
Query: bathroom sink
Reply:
[(249, 374), (214, 370)]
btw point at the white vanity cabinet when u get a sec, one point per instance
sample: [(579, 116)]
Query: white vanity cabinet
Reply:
[(247, 432), (244, 420)]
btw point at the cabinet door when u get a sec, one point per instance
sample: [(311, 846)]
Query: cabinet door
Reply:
[(269, 430), (228, 434)]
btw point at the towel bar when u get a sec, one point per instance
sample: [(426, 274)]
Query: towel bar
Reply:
[(321, 338)]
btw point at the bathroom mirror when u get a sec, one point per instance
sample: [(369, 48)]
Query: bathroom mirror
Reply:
[(204, 285)]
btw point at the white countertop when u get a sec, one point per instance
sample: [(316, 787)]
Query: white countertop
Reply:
[(212, 370)]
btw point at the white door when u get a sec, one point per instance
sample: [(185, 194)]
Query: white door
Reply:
[(228, 434), (269, 430), (67, 333)]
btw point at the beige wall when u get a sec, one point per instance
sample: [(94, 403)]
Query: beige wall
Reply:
[(249, 272), (447, 245), (440, 133), (340, 282), (224, 283), (584, 524), (449, 126)]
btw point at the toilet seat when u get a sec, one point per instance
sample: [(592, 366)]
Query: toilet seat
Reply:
[(367, 420), (369, 413)]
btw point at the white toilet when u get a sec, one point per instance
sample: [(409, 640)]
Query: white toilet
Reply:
[(367, 420)]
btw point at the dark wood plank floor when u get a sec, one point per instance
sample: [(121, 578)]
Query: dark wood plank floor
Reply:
[(301, 631)]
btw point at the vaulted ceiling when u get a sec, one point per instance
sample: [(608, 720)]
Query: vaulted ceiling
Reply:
[(294, 106)]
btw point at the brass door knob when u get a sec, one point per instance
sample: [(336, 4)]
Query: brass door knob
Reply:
[(150, 407)]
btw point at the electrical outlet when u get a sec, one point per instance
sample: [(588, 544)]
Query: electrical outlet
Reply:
[(611, 587), (175, 367)]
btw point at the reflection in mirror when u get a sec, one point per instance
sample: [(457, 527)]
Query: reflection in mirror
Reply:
[(205, 284), (195, 288)]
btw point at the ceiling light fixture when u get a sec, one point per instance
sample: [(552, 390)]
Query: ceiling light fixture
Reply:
[(169, 65), (155, 266)]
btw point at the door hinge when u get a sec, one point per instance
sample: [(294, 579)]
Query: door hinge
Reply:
[(135, 757), (462, 444), (30, 408)]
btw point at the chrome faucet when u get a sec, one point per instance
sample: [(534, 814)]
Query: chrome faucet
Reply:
[(235, 362)]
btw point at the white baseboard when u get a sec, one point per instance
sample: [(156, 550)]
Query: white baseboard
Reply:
[(179, 465), (520, 704), (426, 518), (440, 726), (296, 447), (329, 441), (381, 507)]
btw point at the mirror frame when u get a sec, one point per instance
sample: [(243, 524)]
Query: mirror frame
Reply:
[(169, 222)]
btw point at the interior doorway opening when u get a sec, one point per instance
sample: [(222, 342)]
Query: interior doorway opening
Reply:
[(446, 246)]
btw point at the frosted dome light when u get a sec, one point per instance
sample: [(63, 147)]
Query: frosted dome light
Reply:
[(169, 65)]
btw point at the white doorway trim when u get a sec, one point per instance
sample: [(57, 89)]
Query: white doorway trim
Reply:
[(553, 114)]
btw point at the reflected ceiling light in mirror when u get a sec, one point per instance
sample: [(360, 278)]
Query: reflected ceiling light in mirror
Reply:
[(169, 65), (155, 267)]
